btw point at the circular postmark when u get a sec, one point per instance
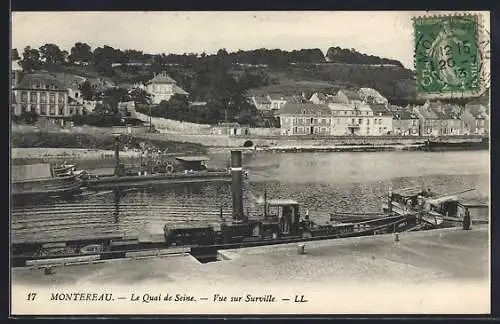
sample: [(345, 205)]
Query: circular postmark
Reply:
[(452, 54)]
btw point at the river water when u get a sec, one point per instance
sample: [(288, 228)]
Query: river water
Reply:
[(322, 183)]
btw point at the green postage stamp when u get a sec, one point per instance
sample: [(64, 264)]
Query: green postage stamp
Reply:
[(450, 56)]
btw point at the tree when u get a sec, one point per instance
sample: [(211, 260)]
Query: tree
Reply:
[(31, 59), (80, 52), (87, 90), (51, 54), (140, 96)]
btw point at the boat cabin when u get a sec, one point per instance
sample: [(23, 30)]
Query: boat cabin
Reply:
[(194, 163), (446, 206), (286, 213)]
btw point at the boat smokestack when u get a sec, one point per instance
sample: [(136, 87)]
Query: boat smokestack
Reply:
[(236, 185)]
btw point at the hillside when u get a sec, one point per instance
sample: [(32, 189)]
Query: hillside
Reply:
[(215, 78)]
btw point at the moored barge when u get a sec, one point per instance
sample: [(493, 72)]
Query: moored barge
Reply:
[(159, 169), (39, 180)]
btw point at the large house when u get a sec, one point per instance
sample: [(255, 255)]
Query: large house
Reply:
[(304, 119), (41, 93), (162, 87), (352, 119)]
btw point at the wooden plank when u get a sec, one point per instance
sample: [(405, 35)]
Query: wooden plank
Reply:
[(63, 260)]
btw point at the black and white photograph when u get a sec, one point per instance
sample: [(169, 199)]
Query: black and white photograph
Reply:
[(250, 162)]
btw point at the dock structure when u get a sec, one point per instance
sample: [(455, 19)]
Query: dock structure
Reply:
[(416, 257)]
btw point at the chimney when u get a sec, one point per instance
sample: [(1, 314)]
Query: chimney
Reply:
[(236, 185)]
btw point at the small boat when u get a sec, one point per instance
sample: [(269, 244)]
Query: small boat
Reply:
[(443, 211), (64, 169), (38, 179)]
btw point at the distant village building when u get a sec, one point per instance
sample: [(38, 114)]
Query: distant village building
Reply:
[(449, 116), (476, 119), (348, 96), (382, 119), (429, 121), (305, 119), (405, 122), (233, 129), (43, 94), (261, 103), (162, 87), (16, 75), (354, 119)]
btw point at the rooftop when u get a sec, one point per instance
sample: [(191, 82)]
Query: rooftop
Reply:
[(40, 80), (304, 108), (380, 109), (162, 77)]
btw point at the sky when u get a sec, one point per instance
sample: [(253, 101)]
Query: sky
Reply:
[(386, 34)]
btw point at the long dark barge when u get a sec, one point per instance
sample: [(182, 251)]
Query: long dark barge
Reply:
[(161, 169), (281, 223), (430, 145)]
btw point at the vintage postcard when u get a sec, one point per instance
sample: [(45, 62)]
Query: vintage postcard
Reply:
[(250, 163)]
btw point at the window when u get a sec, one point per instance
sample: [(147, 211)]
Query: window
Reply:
[(360, 121), (33, 107), (61, 98), (24, 107), (353, 121), (61, 110), (380, 129), (43, 97), (71, 111), (368, 122), (368, 130), (345, 112), (24, 96), (52, 98), (52, 110), (43, 109), (33, 97)]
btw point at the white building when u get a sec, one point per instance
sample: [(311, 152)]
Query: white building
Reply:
[(162, 88)]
